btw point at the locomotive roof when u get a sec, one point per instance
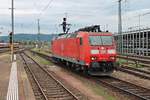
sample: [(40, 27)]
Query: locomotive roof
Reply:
[(74, 35)]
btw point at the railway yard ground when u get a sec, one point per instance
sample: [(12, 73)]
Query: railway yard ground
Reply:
[(36, 77)]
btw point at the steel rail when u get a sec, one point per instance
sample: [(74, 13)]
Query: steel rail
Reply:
[(134, 71), (57, 81), (129, 88), (142, 60), (33, 76), (143, 57)]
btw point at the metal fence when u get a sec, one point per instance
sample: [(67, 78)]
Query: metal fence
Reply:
[(135, 42)]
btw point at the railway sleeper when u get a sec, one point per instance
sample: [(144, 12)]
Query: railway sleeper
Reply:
[(60, 96), (56, 93)]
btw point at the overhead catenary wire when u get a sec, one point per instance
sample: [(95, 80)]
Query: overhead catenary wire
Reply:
[(40, 14), (45, 8)]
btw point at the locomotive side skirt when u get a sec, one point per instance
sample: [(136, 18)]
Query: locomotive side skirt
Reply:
[(70, 60)]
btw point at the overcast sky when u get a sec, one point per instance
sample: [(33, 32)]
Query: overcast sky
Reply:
[(80, 13)]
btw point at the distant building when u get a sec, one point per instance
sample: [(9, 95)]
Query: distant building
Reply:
[(135, 42)]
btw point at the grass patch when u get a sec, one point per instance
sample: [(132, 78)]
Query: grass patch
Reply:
[(40, 59), (136, 66), (41, 51), (121, 61), (99, 90), (129, 62)]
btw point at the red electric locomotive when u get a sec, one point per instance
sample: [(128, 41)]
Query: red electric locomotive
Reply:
[(93, 52)]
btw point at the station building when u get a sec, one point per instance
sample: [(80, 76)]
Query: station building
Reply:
[(136, 42)]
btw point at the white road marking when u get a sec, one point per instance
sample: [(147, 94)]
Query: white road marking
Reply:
[(12, 93), (15, 57)]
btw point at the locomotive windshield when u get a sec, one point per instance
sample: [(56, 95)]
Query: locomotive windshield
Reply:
[(100, 40)]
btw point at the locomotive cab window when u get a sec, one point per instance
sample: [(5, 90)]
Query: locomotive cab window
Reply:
[(100, 40)]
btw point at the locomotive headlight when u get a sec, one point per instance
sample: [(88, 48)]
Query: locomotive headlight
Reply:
[(94, 51), (93, 58), (111, 51)]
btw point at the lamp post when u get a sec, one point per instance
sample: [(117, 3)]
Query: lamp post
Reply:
[(39, 42), (12, 26), (120, 27)]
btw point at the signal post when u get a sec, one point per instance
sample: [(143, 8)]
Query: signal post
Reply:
[(11, 45)]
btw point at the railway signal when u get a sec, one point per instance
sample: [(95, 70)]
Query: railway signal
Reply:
[(10, 38), (11, 44)]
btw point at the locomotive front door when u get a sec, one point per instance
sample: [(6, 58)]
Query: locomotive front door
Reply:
[(79, 43)]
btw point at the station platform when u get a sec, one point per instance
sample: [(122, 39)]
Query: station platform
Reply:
[(14, 83)]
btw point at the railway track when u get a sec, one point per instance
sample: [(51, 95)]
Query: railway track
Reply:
[(129, 88), (129, 70), (135, 71), (38, 92), (137, 59), (136, 56), (45, 85), (3, 50), (140, 93)]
